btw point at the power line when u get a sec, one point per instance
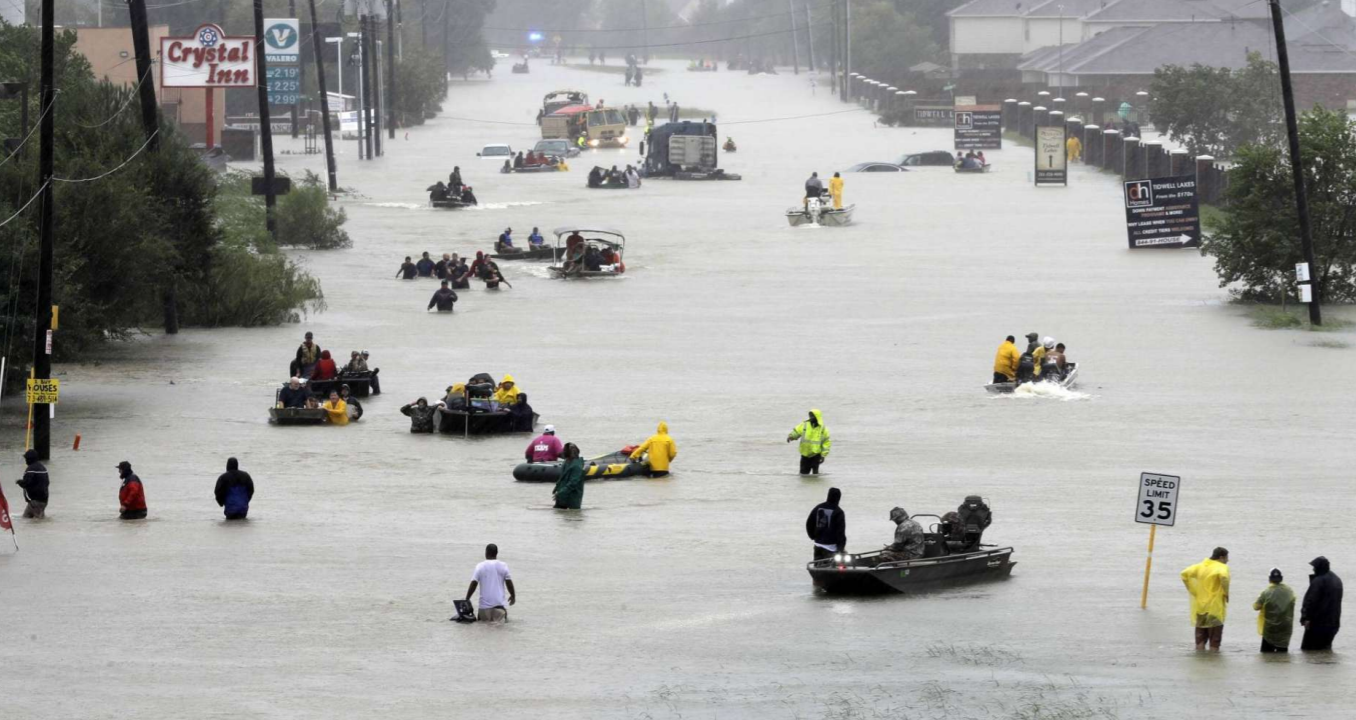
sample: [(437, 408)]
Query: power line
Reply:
[(20, 211), (31, 131), (110, 172)]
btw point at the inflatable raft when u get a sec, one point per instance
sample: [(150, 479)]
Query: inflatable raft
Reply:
[(613, 466)]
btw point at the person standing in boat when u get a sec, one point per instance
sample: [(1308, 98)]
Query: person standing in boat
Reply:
[(814, 187), (908, 544), (827, 526), (308, 354), (407, 270), (1006, 361), (454, 182), (814, 442), (1053, 368), (545, 448), (444, 298), (662, 451), (836, 191)]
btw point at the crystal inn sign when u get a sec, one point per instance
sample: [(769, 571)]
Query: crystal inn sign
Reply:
[(207, 59)]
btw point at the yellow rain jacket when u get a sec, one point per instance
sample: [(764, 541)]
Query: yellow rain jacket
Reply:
[(1208, 583), (661, 448), (1074, 147), (813, 440), (836, 190), (337, 410), (1038, 356), (506, 396), (1005, 362)]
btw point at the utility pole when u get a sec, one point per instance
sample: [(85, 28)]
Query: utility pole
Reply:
[(645, 27), (834, 56), (847, 47), (150, 122), (265, 125), (423, 24), (316, 45), (795, 43), (296, 106), (378, 86), (810, 38), (390, 70), (42, 314), (1296, 165), (447, 41), (364, 52)]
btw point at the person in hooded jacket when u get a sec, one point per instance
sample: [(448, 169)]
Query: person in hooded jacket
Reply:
[(827, 526), (908, 544), (131, 496), (235, 490), (814, 442), (1321, 613), (35, 483), (521, 416), (507, 392), (836, 191), (662, 451), (420, 414), (1006, 361), (1275, 614), (1208, 584), (569, 489)]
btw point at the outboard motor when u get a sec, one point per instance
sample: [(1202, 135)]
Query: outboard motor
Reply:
[(813, 207)]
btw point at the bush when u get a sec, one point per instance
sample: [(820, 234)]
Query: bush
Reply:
[(306, 219)]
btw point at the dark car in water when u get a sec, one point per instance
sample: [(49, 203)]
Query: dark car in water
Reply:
[(876, 167), (934, 158)]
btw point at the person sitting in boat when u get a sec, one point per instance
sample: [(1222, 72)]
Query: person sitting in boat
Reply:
[(593, 259), (325, 368), (521, 416), (1049, 363), (729, 145), (575, 247), (1026, 364), (467, 196), (615, 177), (908, 544), (980, 157), (953, 531), (461, 276), (454, 398), (312, 402), (336, 410), (960, 158), (420, 415), (505, 242), (407, 270), (1038, 356), (294, 395), (609, 256), (425, 265), (535, 240), (444, 298), (437, 192), (970, 163), (519, 161), (1061, 359), (596, 177), (506, 394), (544, 448), (356, 365)]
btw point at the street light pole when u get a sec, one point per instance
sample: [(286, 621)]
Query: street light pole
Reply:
[(1060, 77)]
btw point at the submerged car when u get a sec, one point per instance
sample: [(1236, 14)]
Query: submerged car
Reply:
[(496, 151), (877, 167), (934, 158)]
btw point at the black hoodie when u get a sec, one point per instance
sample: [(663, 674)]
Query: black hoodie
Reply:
[(35, 480), (233, 477), (1323, 602), (827, 525)]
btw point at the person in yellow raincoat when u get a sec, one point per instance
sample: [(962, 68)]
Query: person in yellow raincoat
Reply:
[(1074, 148), (507, 392), (1208, 584), (1006, 361), (336, 410), (814, 442), (836, 190), (662, 451)]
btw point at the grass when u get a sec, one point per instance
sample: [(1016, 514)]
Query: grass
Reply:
[(982, 655), (1212, 217), (1295, 317), (1332, 344), (613, 69)]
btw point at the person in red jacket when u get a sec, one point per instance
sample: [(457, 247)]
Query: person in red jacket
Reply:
[(131, 497), (325, 369)]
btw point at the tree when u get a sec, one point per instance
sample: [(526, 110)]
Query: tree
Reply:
[(1257, 244), (1215, 111), (887, 42)]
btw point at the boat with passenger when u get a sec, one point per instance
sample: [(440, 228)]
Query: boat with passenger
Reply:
[(818, 211), (588, 252), (612, 466)]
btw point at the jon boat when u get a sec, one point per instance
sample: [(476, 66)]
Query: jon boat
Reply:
[(819, 212), (980, 169), (532, 253), (539, 167), (296, 416), (1070, 376), (865, 574), (451, 204), (477, 422), (613, 466), (359, 385)]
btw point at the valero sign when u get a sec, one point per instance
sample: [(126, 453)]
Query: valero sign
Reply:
[(207, 59)]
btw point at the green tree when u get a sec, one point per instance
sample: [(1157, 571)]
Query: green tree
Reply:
[(1257, 243), (887, 42), (1215, 111)]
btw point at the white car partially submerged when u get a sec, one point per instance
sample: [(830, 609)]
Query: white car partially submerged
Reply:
[(497, 151)]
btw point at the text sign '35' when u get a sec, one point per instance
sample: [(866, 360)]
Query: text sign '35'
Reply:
[(1157, 499)]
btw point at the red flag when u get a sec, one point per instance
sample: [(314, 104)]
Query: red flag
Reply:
[(5, 523)]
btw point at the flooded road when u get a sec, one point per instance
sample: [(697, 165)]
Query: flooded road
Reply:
[(687, 597)]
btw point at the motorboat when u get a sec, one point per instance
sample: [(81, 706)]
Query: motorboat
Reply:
[(980, 169), (1070, 377), (477, 421), (581, 252), (869, 574), (818, 211), (451, 204), (612, 466), (541, 252), (359, 384), (296, 416)]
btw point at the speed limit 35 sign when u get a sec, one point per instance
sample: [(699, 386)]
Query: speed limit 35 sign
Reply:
[(1157, 499)]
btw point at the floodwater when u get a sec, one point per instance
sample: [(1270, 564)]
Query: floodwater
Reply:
[(687, 597)]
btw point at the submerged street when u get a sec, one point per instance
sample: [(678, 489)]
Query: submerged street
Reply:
[(688, 596)]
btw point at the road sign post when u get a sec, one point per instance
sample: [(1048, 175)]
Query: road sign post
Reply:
[(1157, 505)]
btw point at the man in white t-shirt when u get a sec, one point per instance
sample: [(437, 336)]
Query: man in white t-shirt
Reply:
[(492, 577)]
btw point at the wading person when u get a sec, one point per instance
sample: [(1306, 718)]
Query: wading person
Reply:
[(1321, 614), (1275, 614), (569, 489), (420, 414), (131, 496), (1208, 584), (35, 483), (1006, 361), (407, 270), (235, 490), (491, 577), (443, 298), (827, 526), (662, 451), (814, 442)]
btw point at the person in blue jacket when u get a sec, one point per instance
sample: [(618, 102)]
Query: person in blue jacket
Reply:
[(235, 489)]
